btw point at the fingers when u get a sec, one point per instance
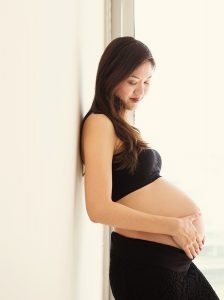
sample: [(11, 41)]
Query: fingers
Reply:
[(188, 253), (187, 237), (193, 248), (200, 242), (203, 241), (195, 216)]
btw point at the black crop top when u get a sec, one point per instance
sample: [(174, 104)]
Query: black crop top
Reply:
[(148, 170)]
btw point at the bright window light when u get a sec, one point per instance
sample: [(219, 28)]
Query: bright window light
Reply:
[(182, 115)]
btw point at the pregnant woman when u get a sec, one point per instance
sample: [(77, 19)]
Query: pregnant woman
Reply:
[(157, 229)]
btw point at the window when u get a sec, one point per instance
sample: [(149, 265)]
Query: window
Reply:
[(184, 109)]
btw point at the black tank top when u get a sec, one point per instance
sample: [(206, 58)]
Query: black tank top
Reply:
[(148, 170)]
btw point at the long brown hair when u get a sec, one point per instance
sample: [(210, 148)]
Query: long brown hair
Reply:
[(119, 59)]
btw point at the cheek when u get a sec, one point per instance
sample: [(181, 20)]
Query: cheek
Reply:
[(123, 92), (146, 90), (127, 90)]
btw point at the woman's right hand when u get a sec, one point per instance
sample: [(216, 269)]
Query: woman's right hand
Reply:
[(186, 235)]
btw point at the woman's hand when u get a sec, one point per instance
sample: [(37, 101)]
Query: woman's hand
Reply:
[(186, 235), (203, 240)]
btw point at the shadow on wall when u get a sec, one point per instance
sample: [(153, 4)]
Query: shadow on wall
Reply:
[(78, 208)]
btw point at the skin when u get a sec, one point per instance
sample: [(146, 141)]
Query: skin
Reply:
[(138, 212), (151, 198), (135, 86)]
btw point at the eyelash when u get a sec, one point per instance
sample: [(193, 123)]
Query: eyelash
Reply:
[(136, 83)]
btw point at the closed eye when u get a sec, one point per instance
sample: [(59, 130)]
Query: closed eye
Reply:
[(134, 83)]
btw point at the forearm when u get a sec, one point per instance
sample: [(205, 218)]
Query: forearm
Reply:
[(121, 216)]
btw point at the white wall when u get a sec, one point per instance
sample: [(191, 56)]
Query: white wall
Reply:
[(49, 248), (89, 236)]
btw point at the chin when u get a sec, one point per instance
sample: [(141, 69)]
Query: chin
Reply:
[(131, 108)]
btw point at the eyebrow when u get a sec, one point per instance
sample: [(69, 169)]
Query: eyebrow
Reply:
[(140, 78)]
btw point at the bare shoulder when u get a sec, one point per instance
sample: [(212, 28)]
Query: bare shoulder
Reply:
[(98, 134), (98, 119), (98, 140)]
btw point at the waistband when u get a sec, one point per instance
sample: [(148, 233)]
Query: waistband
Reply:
[(149, 252)]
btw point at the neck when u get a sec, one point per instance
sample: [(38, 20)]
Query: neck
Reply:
[(127, 118)]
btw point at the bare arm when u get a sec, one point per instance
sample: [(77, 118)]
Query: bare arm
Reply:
[(119, 215), (99, 141), (181, 229)]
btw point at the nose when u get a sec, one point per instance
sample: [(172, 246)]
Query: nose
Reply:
[(139, 91)]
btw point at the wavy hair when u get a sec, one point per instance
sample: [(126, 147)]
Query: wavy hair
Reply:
[(119, 59)]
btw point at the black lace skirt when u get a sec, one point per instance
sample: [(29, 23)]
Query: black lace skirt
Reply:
[(146, 270)]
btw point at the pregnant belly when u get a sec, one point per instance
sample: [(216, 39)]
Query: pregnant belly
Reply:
[(160, 197)]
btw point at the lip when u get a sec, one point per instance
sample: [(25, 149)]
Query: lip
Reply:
[(135, 99)]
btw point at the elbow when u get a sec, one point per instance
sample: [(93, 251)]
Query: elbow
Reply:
[(99, 215), (93, 216), (93, 219)]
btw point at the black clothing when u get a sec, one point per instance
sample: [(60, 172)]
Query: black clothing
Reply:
[(148, 170), (147, 270)]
